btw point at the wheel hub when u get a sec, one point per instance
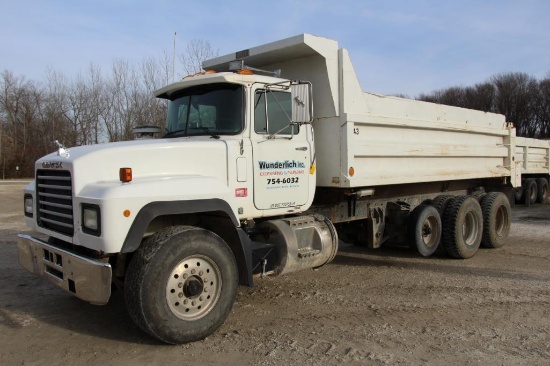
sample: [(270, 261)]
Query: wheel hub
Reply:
[(193, 287), (426, 230), (430, 232)]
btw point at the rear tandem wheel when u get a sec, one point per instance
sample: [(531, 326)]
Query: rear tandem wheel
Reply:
[(424, 230), (497, 219), (462, 227)]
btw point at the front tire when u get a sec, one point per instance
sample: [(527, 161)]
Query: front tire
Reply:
[(181, 284)]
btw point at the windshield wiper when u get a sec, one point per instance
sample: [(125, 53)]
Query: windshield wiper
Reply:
[(205, 129), (171, 133)]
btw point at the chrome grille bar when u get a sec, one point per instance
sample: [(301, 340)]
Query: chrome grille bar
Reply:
[(55, 201)]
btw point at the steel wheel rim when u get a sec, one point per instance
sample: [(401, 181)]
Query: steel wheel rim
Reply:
[(470, 229), (193, 287), (430, 231), (501, 222)]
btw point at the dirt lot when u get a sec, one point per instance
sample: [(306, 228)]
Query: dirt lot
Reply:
[(367, 307)]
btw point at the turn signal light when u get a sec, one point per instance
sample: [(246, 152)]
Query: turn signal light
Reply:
[(125, 175)]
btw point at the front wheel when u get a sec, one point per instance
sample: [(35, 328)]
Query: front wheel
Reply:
[(181, 284)]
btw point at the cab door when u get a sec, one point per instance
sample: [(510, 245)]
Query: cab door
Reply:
[(281, 152)]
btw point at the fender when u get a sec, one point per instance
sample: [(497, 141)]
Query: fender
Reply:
[(154, 209)]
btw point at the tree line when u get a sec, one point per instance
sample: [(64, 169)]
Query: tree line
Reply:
[(94, 107), (104, 106), (524, 100)]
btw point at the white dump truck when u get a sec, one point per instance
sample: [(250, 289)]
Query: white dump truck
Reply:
[(269, 156)]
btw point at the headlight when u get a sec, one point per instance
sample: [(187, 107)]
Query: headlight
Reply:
[(28, 205), (91, 219)]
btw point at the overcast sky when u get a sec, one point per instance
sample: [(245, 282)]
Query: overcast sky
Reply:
[(397, 47)]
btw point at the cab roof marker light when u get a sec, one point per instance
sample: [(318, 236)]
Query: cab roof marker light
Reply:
[(125, 175), (245, 72), (206, 72)]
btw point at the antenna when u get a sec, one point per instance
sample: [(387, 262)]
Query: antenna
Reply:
[(174, 60)]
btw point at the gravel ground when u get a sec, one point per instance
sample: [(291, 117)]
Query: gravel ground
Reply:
[(374, 307)]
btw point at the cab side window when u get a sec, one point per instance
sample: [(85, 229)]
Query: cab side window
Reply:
[(273, 116)]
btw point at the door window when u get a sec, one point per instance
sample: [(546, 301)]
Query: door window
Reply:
[(273, 117)]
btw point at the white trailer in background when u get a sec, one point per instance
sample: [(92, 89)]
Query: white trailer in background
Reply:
[(259, 175), (533, 156)]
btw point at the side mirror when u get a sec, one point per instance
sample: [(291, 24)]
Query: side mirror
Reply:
[(302, 106)]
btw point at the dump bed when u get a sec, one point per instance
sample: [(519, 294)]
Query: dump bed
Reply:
[(365, 139), (533, 155), (399, 141)]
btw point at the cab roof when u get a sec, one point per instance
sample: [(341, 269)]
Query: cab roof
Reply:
[(213, 78)]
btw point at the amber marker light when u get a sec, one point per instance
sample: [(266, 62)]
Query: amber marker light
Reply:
[(125, 175), (245, 72), (351, 171), (126, 213)]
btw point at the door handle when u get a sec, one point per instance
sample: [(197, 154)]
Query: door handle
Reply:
[(302, 148)]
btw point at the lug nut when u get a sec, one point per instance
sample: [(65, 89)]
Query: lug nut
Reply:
[(180, 295)]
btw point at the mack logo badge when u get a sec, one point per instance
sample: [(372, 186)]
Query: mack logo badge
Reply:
[(52, 165)]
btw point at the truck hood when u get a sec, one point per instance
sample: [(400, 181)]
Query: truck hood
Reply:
[(149, 159)]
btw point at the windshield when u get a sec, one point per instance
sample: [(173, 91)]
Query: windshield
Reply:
[(214, 109)]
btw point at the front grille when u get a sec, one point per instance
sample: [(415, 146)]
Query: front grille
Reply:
[(55, 201)]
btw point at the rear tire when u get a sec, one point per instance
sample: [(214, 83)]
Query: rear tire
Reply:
[(440, 203), (518, 194), (530, 191), (478, 195), (463, 227), (181, 284), (542, 190), (424, 230), (497, 219)]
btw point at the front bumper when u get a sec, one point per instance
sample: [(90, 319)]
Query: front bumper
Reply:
[(86, 278)]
